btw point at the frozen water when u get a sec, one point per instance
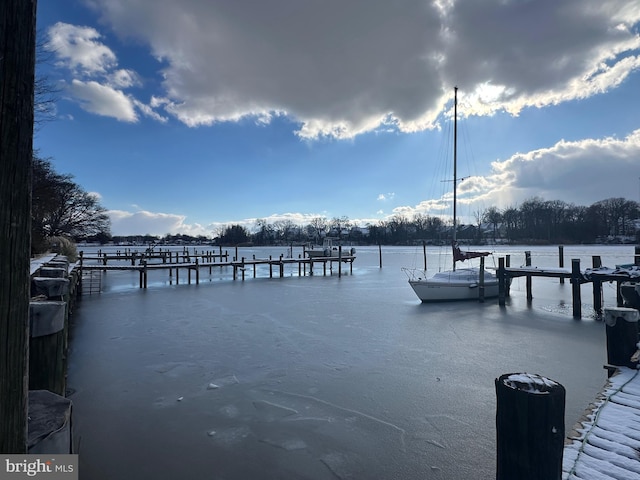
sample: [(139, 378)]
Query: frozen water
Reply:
[(315, 377)]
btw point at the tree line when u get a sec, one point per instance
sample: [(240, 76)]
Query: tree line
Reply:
[(535, 221)]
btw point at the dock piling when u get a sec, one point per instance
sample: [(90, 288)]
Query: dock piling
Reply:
[(530, 427), (575, 288)]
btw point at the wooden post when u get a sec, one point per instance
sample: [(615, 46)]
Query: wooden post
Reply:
[(507, 287), (530, 427), (575, 287), (243, 269), (481, 281), (622, 336), (561, 260), (339, 261), (236, 257), (502, 282), (527, 262), (144, 270), (46, 346), (636, 257), (596, 262), (197, 273), (270, 268)]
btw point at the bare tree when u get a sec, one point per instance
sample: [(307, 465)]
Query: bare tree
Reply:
[(62, 208), (318, 227), (17, 67), (45, 91)]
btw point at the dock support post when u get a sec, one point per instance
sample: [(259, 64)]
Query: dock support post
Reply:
[(527, 262), (197, 273), (561, 260), (339, 261), (530, 427), (243, 269), (596, 262), (636, 257), (507, 287), (481, 281), (575, 288), (270, 268), (502, 282), (622, 336)]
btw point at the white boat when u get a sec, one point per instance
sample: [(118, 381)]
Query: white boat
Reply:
[(455, 284), (328, 249)]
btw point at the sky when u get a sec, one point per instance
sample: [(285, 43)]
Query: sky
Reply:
[(186, 117)]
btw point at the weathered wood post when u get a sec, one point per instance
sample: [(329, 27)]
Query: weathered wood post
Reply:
[(502, 277), (339, 261), (144, 272), (507, 263), (575, 287), (481, 281), (622, 336), (243, 269), (17, 66), (530, 427), (527, 262), (596, 262), (270, 268), (197, 273), (561, 260), (46, 346)]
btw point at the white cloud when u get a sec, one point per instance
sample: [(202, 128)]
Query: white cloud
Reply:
[(77, 48), (123, 78), (375, 65), (143, 222), (103, 100), (580, 172), (97, 84), (386, 196)]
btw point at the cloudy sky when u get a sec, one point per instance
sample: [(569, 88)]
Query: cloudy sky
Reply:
[(184, 116)]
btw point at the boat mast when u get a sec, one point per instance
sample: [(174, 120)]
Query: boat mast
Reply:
[(455, 166)]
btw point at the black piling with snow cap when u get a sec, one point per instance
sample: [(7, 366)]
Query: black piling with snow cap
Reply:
[(622, 333), (530, 427)]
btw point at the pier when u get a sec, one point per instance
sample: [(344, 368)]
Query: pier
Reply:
[(194, 262), (596, 275)]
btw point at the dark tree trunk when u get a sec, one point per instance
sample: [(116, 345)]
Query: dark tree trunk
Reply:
[(17, 66)]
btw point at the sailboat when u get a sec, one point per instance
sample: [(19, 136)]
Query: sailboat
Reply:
[(457, 283)]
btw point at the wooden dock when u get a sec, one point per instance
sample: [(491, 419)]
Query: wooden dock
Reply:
[(596, 275), (606, 443), (193, 263)]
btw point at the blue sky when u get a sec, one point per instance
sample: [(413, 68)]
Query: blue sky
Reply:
[(184, 117)]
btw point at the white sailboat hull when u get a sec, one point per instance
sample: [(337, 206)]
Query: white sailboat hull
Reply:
[(462, 284)]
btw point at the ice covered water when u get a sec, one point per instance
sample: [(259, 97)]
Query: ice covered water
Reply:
[(313, 377)]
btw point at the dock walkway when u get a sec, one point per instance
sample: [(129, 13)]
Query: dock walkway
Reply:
[(606, 444), (239, 266)]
